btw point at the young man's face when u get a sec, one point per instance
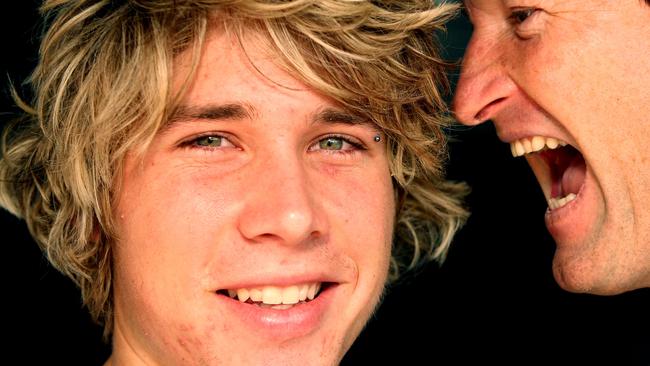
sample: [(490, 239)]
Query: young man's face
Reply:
[(549, 72), (260, 195)]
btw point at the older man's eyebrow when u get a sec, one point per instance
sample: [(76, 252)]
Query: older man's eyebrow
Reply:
[(213, 112), (332, 115)]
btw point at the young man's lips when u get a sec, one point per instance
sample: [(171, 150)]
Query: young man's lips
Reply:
[(274, 296), (284, 321)]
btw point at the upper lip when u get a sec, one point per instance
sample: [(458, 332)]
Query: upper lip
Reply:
[(511, 127), (278, 280)]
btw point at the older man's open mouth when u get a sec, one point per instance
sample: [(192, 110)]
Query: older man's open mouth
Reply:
[(559, 167)]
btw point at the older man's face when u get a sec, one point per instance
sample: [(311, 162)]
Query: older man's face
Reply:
[(574, 72), (257, 229)]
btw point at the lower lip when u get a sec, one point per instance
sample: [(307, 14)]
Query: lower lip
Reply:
[(571, 223), (298, 321)]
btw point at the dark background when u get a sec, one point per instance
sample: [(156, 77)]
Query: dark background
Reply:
[(494, 300)]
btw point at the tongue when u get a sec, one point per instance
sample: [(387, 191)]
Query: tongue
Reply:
[(574, 175)]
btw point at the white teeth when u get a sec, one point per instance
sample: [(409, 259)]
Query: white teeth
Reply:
[(303, 292), (272, 295), (277, 297), (313, 290), (534, 144), (537, 143), (256, 294), (290, 295), (555, 203), (242, 294), (519, 148)]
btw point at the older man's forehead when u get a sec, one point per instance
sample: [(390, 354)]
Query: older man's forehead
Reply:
[(471, 5)]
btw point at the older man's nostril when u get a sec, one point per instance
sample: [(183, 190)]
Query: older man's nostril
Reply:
[(488, 111)]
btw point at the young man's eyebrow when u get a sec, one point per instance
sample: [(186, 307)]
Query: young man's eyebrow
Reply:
[(333, 115), (240, 111), (215, 112)]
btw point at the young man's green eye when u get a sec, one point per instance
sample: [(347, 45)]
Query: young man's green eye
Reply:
[(209, 141), (331, 143)]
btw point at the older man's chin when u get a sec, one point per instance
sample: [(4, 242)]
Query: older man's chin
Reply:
[(595, 274)]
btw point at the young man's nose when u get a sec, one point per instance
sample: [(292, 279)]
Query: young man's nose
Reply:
[(282, 205), (484, 87)]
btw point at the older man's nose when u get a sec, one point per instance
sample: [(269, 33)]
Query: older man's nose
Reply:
[(484, 87)]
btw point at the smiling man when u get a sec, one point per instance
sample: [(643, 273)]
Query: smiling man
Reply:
[(566, 85), (231, 182)]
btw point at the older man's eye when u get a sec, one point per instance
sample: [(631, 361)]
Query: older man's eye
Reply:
[(527, 23), (519, 16)]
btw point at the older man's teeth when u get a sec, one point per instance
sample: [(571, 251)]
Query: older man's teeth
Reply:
[(538, 143), (555, 203), (277, 297)]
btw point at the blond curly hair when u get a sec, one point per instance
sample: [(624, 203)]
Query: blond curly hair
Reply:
[(103, 85)]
